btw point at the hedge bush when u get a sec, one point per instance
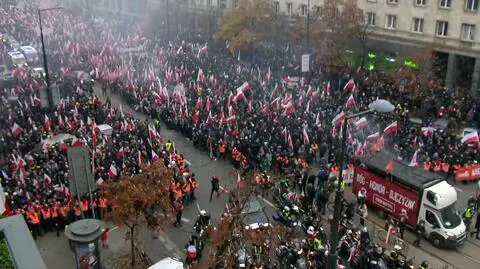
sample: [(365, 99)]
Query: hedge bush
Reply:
[(6, 261)]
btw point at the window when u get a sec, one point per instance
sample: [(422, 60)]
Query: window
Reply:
[(420, 2), (304, 10), (471, 5), (371, 16), (391, 21), (445, 3), (394, 2), (431, 218), (442, 28), (418, 25), (209, 3), (289, 8), (276, 5), (468, 32)]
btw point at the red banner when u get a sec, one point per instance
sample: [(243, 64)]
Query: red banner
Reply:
[(468, 173)]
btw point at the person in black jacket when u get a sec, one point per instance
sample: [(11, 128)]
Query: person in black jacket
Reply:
[(419, 231), (215, 187)]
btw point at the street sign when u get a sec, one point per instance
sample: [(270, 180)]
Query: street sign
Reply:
[(81, 179), (305, 62)]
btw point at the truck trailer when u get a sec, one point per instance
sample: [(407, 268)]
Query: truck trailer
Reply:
[(411, 192)]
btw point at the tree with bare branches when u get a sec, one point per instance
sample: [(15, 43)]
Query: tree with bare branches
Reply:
[(335, 26), (249, 23), (132, 197)]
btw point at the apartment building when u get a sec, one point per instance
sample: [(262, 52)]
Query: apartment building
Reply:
[(451, 27)]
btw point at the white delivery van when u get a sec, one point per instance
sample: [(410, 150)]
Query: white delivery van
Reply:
[(16, 58), (105, 129), (167, 263)]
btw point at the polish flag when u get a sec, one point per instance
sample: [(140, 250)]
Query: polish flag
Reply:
[(154, 156), (36, 101), (361, 123), (196, 117), (290, 142), (208, 104), (391, 230), (266, 108), (112, 172), (239, 181), (238, 97), (414, 161), (152, 132), (373, 137), (48, 123), (306, 140), (350, 84), (230, 99), (76, 142), (288, 107), (244, 87), (202, 51), (60, 122), (350, 101), (249, 106), (334, 131), (63, 146), (392, 128), (140, 158), (339, 118), (200, 76), (199, 104), (318, 121), (61, 105), (231, 119), (222, 117), (470, 138), (47, 179), (327, 90), (16, 129), (428, 131), (120, 153), (209, 118), (307, 110), (311, 91), (158, 98), (285, 133), (124, 168), (268, 75)]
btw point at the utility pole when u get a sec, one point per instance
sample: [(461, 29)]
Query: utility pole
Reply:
[(168, 19)]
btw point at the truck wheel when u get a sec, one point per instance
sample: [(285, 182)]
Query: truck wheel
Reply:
[(437, 241)]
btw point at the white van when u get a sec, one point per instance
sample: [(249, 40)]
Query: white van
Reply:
[(105, 129), (31, 54), (16, 58), (167, 263)]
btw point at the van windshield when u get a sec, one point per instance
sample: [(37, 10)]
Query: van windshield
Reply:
[(450, 219)]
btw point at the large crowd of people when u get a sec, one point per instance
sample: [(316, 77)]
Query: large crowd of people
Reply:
[(262, 115)]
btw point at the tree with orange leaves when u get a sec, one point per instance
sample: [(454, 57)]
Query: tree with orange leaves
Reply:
[(132, 197)]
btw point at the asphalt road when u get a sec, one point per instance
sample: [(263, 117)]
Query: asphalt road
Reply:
[(172, 243)]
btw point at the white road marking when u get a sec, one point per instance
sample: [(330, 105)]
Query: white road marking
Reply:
[(185, 220), (113, 228), (161, 239), (459, 190)]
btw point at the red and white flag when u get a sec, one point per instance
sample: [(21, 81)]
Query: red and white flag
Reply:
[(36, 101), (311, 91), (361, 123), (428, 131), (268, 75), (202, 51), (238, 97), (200, 76), (47, 179), (239, 181), (266, 108), (350, 101), (470, 138), (327, 90), (373, 137), (249, 106), (152, 132), (16, 129), (232, 119), (196, 117), (391, 230), (140, 158), (414, 161), (209, 118), (208, 104), (290, 141), (350, 84), (244, 87), (392, 128), (339, 118), (154, 156), (120, 153), (112, 172), (318, 120), (199, 104), (48, 123), (285, 133), (306, 140), (76, 142)]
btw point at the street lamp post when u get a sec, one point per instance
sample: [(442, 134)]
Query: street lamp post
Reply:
[(381, 106), (308, 25), (45, 64)]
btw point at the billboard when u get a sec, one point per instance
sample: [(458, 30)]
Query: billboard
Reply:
[(81, 180)]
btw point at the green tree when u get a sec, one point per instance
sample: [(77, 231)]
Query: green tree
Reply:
[(249, 23), (130, 198)]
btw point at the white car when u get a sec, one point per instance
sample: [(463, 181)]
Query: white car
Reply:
[(167, 263)]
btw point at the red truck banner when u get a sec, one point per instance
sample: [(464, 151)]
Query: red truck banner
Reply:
[(387, 196), (468, 173)]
